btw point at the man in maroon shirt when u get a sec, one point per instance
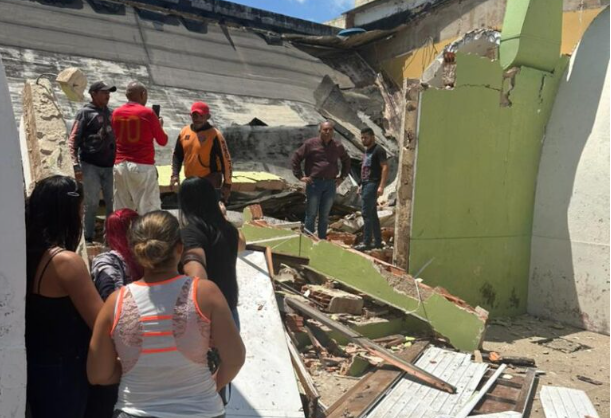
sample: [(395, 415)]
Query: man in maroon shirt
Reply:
[(322, 155), (136, 126)]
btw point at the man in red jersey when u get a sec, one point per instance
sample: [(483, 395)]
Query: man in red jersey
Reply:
[(135, 127)]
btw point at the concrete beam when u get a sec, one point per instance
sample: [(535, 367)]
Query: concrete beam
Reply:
[(45, 130), (405, 172)]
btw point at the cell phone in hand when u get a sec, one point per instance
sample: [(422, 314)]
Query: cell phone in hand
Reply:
[(157, 109)]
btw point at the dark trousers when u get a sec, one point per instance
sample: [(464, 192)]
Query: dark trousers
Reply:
[(102, 400), (320, 195), (57, 389), (369, 195)]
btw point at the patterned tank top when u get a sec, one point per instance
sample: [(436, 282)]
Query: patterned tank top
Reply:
[(162, 339)]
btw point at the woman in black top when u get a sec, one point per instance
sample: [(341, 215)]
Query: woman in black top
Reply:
[(61, 301), (207, 233)]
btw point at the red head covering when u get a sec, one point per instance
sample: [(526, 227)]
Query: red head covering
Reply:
[(201, 108)]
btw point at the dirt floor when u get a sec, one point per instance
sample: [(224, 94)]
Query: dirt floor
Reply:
[(518, 336), (584, 353)]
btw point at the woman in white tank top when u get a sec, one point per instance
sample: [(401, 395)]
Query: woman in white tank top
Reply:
[(153, 335)]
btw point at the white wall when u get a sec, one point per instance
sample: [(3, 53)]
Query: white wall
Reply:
[(570, 249), (12, 264)]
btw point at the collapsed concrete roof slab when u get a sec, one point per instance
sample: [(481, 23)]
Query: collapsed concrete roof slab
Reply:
[(234, 70), (447, 315), (223, 60)]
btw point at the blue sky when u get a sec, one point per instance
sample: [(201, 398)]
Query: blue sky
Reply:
[(314, 10)]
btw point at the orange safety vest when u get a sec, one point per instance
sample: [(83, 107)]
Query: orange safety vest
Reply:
[(205, 152)]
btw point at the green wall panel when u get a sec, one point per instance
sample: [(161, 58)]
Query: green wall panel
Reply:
[(476, 170)]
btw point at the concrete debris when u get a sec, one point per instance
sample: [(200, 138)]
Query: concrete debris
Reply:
[(442, 71), (432, 308), (561, 344), (334, 300), (342, 237), (73, 83), (45, 130), (351, 224)]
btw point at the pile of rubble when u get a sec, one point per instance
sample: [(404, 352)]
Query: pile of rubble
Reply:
[(399, 355)]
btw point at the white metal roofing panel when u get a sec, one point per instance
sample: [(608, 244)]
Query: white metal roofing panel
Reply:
[(559, 402), (266, 386), (409, 399)]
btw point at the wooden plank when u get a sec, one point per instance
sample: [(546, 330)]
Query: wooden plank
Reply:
[(304, 376), (505, 395), (369, 389), (370, 346), (527, 391)]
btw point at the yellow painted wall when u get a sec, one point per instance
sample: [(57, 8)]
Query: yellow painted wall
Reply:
[(413, 64)]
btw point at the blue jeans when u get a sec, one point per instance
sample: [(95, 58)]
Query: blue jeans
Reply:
[(236, 317), (319, 200), (369, 194), (94, 179)]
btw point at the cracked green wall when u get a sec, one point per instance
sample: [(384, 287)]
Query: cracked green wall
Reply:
[(463, 328), (476, 169)]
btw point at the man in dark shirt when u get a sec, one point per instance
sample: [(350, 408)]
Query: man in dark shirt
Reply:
[(92, 147), (321, 156), (374, 173)]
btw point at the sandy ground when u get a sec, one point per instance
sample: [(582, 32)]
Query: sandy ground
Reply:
[(515, 337)]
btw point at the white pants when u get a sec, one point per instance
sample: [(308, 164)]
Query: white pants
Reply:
[(136, 187)]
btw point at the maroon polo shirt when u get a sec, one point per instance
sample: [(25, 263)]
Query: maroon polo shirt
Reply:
[(321, 161)]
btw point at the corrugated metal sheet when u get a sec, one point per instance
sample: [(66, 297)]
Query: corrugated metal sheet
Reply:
[(410, 399), (559, 402), (266, 386)]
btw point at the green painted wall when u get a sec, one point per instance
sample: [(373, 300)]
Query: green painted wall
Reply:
[(476, 168), (532, 34)]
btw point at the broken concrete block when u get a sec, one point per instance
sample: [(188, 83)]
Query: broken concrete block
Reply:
[(288, 275), (335, 300), (73, 83), (343, 237), (357, 367)]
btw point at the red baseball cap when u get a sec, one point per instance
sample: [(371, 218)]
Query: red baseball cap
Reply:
[(200, 108)]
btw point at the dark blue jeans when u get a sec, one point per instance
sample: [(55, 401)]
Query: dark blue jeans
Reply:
[(369, 194), (95, 179), (319, 200)]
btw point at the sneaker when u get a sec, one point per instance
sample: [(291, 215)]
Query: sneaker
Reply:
[(362, 247), (378, 246)]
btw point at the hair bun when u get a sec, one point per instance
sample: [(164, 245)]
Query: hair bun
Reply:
[(153, 238)]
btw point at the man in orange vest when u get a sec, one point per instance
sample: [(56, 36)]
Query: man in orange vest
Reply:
[(204, 152)]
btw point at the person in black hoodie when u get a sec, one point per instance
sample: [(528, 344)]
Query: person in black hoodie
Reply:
[(92, 147)]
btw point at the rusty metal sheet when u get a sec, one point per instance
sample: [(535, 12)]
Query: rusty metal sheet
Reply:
[(409, 399), (559, 402)]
